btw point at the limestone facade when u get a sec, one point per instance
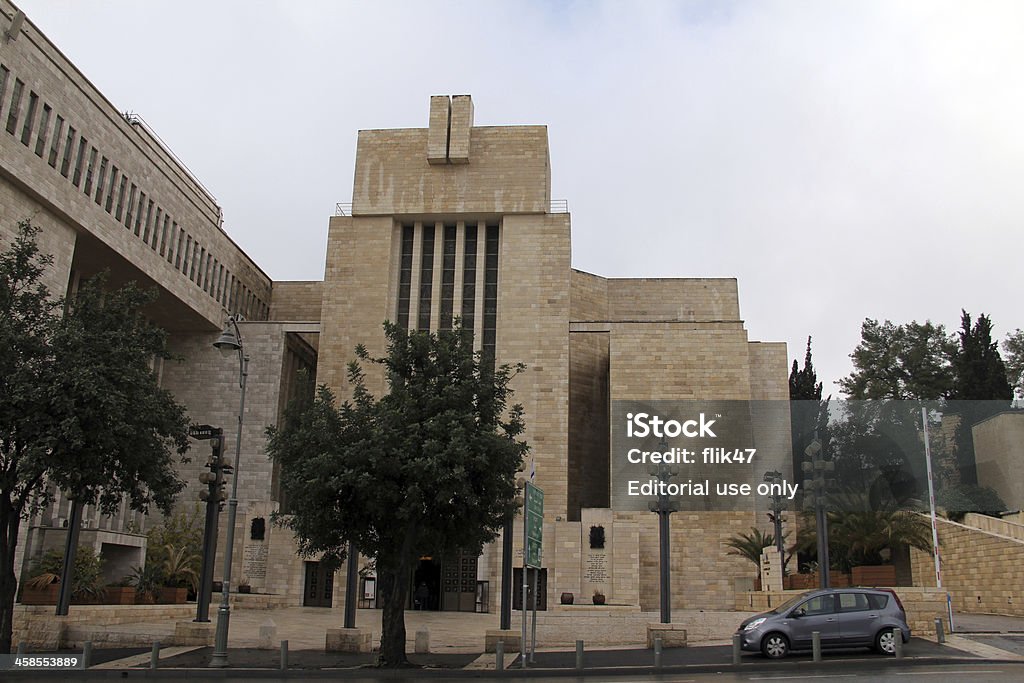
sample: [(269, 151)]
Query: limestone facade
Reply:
[(451, 220)]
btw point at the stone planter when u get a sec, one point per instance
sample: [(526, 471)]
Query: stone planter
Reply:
[(567, 598), (598, 599)]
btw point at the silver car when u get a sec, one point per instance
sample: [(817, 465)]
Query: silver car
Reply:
[(845, 617)]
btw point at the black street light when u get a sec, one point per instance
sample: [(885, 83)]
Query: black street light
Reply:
[(230, 340), (664, 506), (212, 496), (774, 477), (815, 482)]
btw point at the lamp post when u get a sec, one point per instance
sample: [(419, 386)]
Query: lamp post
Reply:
[(775, 477), (230, 340), (816, 482), (664, 506)]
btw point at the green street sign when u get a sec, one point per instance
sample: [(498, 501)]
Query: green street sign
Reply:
[(534, 525)]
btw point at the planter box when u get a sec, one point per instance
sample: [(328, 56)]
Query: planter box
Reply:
[(797, 582), (119, 595), (839, 580), (875, 575), (46, 596), (172, 596)]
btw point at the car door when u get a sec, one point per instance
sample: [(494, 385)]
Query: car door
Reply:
[(816, 614), (857, 621)]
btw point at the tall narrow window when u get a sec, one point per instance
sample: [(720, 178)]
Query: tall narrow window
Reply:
[(12, 113), (140, 213), (172, 241), (121, 189), (469, 279), (58, 130), (30, 119), (448, 278), (177, 252), (405, 277), (426, 277), (87, 190), (491, 292), (112, 189), (80, 159), (164, 233), (100, 180), (155, 233), (44, 129), (69, 144), (186, 259), (128, 213), (194, 259), (4, 73)]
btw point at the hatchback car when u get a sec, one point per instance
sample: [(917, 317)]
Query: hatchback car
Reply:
[(844, 617)]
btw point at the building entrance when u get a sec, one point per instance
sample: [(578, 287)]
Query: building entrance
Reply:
[(319, 590), (426, 585)]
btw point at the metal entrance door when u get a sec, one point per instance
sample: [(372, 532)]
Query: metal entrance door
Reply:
[(319, 585), (458, 581)]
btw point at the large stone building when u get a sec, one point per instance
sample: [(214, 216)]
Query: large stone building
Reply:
[(448, 221)]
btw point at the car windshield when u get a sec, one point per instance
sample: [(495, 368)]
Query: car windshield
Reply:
[(788, 604)]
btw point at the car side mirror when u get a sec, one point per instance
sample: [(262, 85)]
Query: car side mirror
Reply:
[(799, 612)]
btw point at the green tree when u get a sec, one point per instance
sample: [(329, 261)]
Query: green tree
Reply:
[(751, 545), (980, 388), (80, 407), (427, 468), (911, 361), (1013, 347), (808, 414)]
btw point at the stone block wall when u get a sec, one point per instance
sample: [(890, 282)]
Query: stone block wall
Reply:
[(297, 300), (980, 569), (141, 202)]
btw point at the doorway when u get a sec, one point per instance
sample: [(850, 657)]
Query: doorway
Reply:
[(426, 585), (319, 590)]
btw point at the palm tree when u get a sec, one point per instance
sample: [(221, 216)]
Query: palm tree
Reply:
[(859, 530), (751, 545)]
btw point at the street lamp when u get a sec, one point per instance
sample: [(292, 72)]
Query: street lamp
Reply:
[(775, 477), (664, 506), (230, 340)]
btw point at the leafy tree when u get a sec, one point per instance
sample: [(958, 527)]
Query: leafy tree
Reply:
[(912, 361), (1013, 347), (80, 407), (808, 413), (425, 469)]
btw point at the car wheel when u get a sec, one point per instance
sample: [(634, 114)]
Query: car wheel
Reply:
[(775, 646), (885, 641)]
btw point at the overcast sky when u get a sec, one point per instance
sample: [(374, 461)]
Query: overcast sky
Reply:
[(842, 160)]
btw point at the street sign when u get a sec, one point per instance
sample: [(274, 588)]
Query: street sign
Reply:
[(204, 431), (534, 525)]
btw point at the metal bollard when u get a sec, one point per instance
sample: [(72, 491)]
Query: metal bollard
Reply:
[(284, 655), (940, 633), (499, 655), (816, 645), (657, 653), (897, 643), (736, 648), (579, 655), (154, 656), (87, 654)]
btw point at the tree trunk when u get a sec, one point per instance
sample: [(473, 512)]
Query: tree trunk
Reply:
[(10, 522), (392, 636)]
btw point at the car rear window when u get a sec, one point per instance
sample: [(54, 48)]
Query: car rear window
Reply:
[(878, 601)]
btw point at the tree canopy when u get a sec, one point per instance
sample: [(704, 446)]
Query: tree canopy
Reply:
[(910, 361), (80, 407), (1013, 346), (425, 469)]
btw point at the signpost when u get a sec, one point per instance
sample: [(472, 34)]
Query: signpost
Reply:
[(533, 541)]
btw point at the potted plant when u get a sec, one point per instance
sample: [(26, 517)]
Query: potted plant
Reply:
[(86, 588), (120, 593), (179, 575), (243, 585), (598, 597), (147, 580), (567, 598)]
